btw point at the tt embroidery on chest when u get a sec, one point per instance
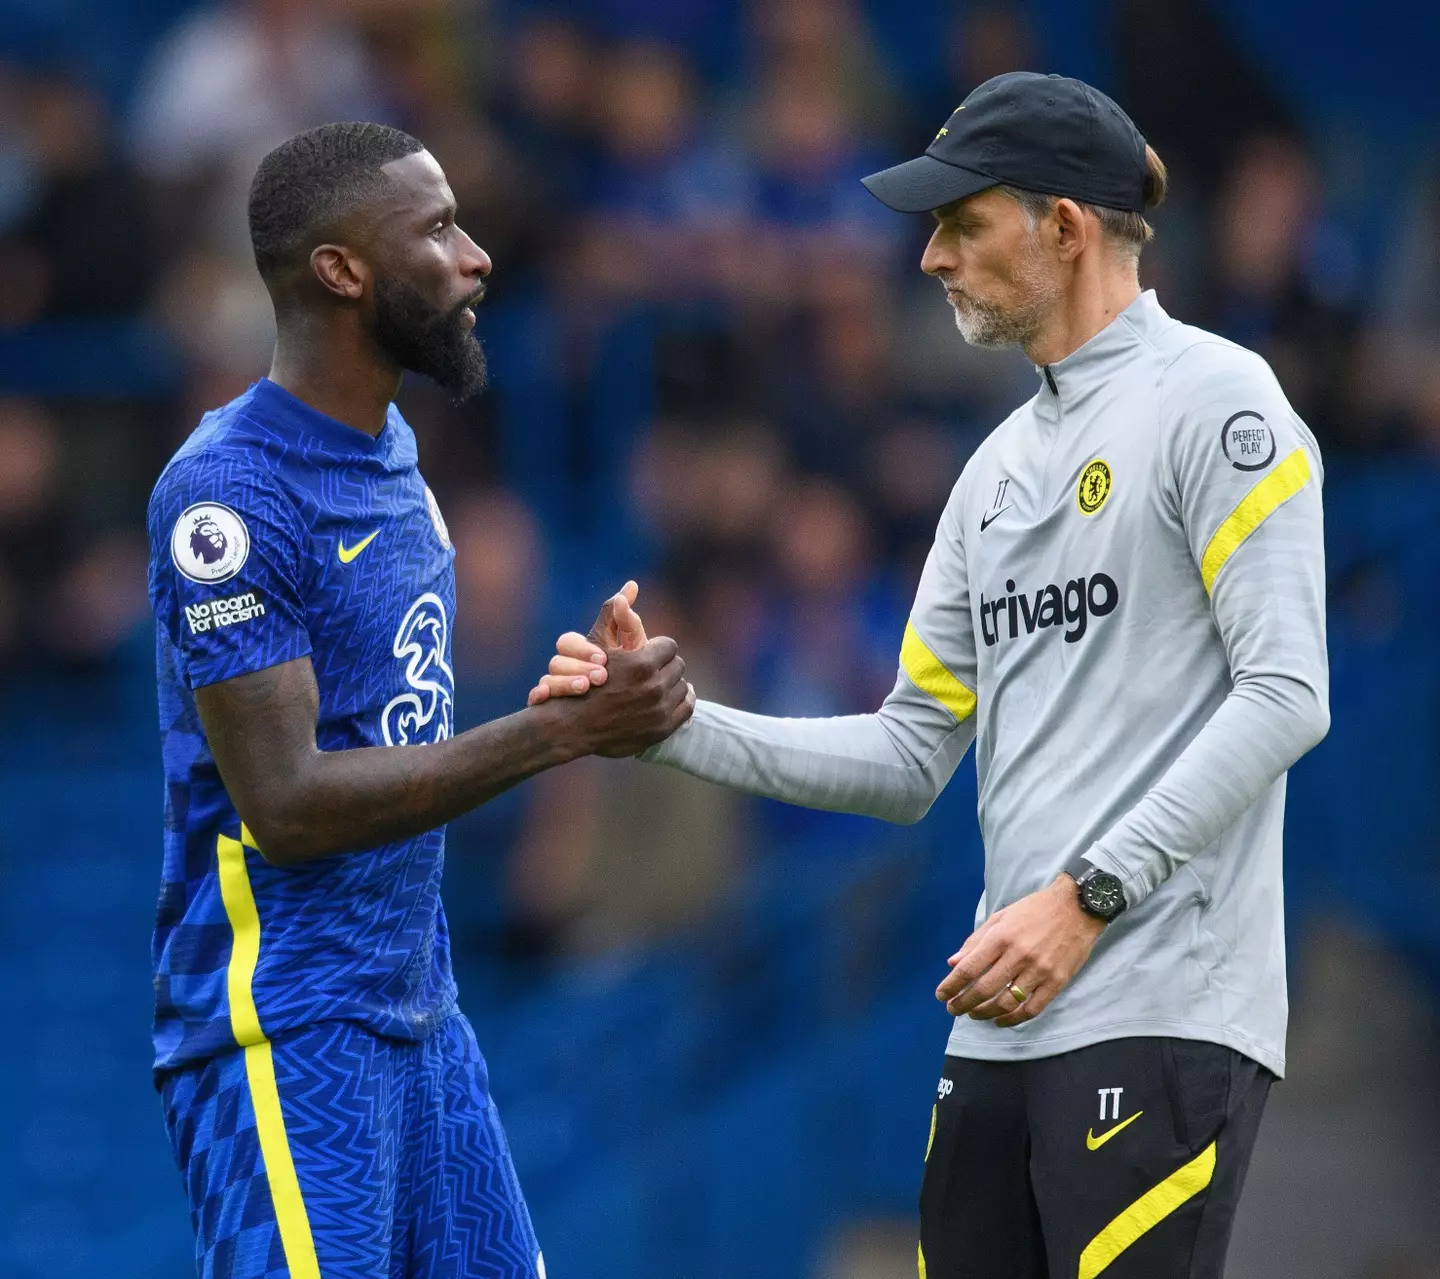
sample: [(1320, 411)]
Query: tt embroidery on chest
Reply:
[(423, 713), (998, 507)]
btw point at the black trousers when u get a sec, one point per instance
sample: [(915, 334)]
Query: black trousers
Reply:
[(1123, 1160)]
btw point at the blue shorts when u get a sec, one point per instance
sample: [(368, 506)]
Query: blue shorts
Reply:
[(335, 1154)]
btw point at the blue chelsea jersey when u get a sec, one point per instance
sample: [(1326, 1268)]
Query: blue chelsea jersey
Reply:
[(278, 533)]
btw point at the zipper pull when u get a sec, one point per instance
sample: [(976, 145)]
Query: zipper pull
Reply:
[(1050, 379)]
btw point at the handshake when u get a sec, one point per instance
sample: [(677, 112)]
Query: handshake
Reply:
[(640, 694)]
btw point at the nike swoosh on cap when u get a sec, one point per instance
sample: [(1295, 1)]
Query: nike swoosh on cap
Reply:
[(349, 553)]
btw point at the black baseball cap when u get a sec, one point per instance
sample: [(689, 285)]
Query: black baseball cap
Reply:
[(1044, 133)]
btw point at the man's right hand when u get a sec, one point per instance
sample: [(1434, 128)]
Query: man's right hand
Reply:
[(580, 661), (644, 698)]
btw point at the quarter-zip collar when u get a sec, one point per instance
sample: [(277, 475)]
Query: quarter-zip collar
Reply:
[(1065, 380)]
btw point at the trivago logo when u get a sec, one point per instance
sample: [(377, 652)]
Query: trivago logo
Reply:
[(1071, 606)]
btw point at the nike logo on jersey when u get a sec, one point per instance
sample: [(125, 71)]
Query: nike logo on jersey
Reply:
[(998, 507), (1092, 1142), (348, 553)]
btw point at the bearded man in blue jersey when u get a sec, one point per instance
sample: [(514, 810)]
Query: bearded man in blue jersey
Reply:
[(328, 1105)]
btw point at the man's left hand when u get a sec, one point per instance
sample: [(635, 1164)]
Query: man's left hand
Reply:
[(1035, 945)]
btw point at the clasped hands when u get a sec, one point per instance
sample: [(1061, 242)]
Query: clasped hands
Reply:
[(580, 661), (645, 696), (1010, 967)]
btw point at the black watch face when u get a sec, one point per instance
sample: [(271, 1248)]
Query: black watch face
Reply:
[(1103, 895)]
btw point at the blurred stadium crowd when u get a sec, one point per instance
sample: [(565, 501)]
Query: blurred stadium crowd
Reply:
[(716, 367), (714, 361)]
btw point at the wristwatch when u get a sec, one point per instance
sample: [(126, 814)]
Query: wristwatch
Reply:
[(1101, 893)]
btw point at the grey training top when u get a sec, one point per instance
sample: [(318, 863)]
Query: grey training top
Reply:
[(1125, 609)]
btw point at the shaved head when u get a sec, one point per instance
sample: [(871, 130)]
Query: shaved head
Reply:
[(307, 187)]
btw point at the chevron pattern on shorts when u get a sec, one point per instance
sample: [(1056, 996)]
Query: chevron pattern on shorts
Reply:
[(403, 1165)]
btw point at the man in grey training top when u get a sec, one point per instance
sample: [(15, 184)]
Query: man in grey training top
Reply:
[(1124, 610)]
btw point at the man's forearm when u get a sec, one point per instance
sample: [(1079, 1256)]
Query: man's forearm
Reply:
[(338, 801), (301, 802), (1255, 735), (889, 765)]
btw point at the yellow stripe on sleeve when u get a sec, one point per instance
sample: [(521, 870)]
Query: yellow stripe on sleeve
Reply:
[(291, 1219), (1149, 1210), (930, 675), (245, 949), (1255, 508), (920, 1249)]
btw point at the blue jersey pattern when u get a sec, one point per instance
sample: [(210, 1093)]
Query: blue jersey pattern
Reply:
[(276, 533)]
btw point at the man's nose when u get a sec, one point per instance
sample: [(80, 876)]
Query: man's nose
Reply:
[(937, 256), (474, 261)]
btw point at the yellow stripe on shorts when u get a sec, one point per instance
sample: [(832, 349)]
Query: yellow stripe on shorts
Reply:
[(1257, 506), (1149, 1210), (930, 675), (291, 1218)]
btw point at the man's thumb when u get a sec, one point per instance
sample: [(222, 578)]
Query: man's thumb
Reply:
[(628, 625), (605, 633)]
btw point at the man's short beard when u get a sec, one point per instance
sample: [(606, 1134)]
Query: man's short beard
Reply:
[(985, 324), (422, 339)]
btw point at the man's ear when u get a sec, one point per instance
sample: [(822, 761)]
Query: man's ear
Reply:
[(1072, 231), (339, 270)]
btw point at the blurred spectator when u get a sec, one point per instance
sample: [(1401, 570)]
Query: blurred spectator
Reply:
[(219, 315), (230, 82), (499, 571), (65, 591), (94, 265), (836, 380), (1409, 301), (816, 220), (983, 40), (1402, 364), (911, 466), (100, 599), (546, 104), (831, 649), (709, 490), (1191, 88), (614, 854), (500, 644), (34, 538), (828, 41), (666, 200), (1285, 283)]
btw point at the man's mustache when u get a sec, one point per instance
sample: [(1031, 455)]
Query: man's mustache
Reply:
[(473, 300)]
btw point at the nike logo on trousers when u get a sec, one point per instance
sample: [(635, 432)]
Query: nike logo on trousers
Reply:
[(1092, 1142)]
